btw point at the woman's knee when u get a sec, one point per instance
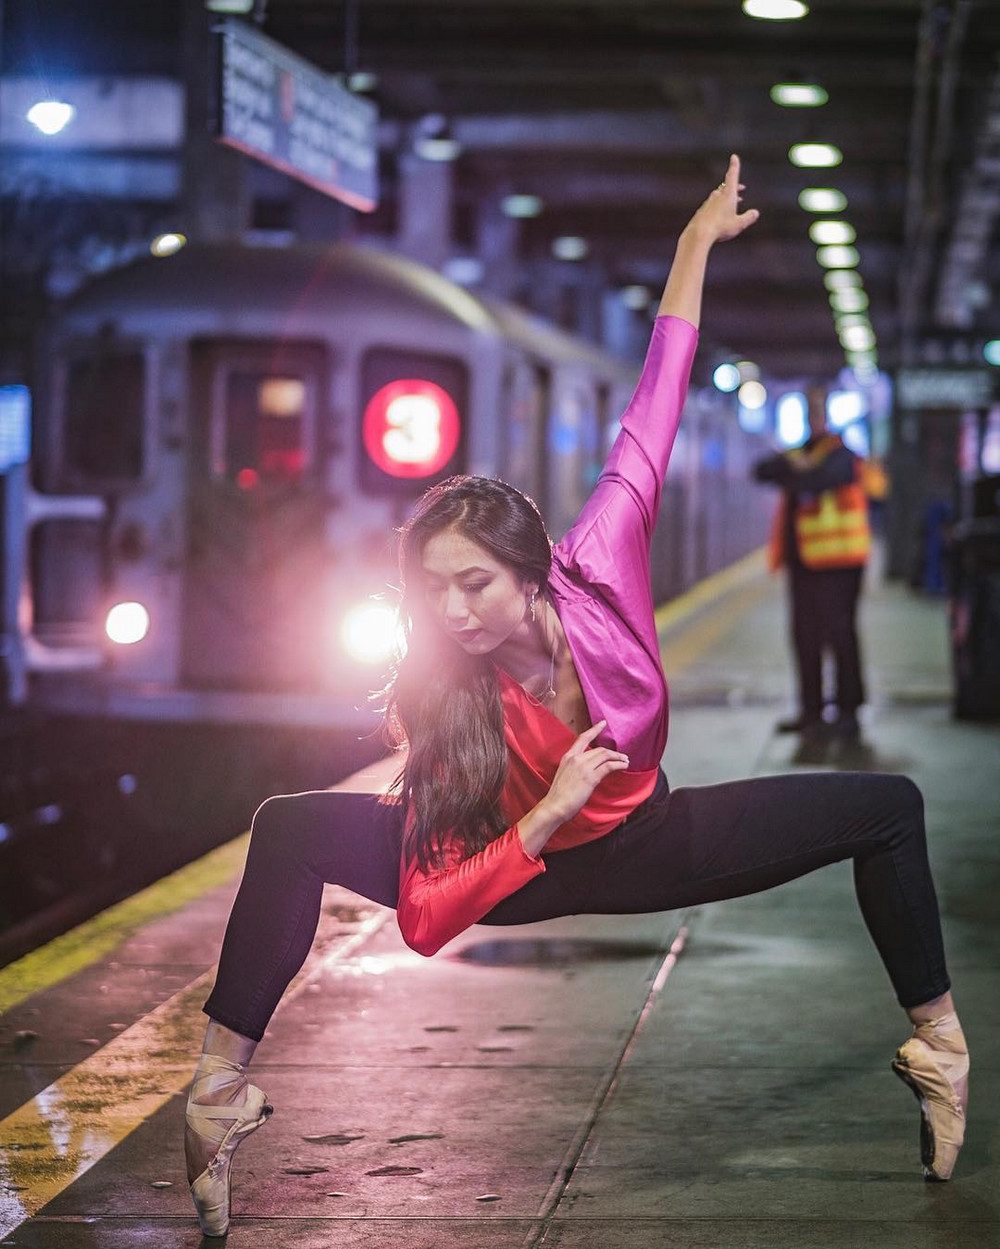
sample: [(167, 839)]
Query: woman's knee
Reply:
[(274, 823)]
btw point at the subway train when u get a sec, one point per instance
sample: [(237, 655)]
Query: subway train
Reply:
[(257, 421), (225, 441)]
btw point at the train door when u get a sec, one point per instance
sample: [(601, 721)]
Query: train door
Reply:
[(255, 586), (573, 451), (526, 401)]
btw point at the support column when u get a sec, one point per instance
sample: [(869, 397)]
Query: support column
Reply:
[(425, 207), (497, 239), (215, 197)]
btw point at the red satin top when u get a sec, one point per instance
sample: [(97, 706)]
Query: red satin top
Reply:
[(437, 905)]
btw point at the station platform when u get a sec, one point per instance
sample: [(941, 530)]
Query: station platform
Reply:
[(717, 1078)]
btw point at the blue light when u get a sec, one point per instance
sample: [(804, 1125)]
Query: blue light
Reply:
[(856, 438), (792, 410), (991, 352), (15, 426), (845, 406), (726, 378)]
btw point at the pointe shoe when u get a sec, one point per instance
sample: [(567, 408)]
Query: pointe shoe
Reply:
[(210, 1191), (934, 1073)]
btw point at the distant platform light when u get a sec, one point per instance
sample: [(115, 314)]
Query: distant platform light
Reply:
[(857, 337), (636, 297), (167, 244), (842, 280), (570, 247), (465, 270), (824, 232), (521, 206), (127, 623), (851, 299), (229, 6), (752, 395), (815, 155), (791, 413), (857, 439), (362, 80), (726, 378), (838, 257), (371, 633), (775, 10), (438, 148), (862, 359), (50, 116), (751, 420), (845, 406), (822, 199), (749, 370), (991, 352), (799, 94)]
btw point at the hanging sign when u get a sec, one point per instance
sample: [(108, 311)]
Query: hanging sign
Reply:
[(275, 106), (957, 389)]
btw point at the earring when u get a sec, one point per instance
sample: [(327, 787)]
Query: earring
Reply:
[(534, 595)]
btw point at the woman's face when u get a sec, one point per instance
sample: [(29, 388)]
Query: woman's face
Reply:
[(478, 600)]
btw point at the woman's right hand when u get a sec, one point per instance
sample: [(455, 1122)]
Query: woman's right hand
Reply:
[(580, 770)]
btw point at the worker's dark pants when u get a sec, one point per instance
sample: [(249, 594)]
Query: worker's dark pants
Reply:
[(677, 849), (824, 607)]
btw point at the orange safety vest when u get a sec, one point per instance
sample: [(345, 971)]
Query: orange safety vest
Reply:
[(831, 530)]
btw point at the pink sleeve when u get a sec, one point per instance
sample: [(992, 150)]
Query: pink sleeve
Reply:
[(436, 906), (630, 484)]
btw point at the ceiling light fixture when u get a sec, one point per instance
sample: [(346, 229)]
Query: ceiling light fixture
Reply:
[(521, 206), (850, 299), (824, 232), (798, 94), (822, 199), (775, 10), (838, 257), (815, 155), (569, 247), (842, 280)]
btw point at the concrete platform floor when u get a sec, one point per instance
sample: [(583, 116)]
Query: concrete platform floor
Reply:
[(717, 1079)]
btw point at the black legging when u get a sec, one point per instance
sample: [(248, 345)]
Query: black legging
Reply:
[(677, 849)]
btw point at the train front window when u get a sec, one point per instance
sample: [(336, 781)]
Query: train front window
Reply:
[(104, 416), (265, 429)]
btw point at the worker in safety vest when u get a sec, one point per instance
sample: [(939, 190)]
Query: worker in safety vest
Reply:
[(820, 533)]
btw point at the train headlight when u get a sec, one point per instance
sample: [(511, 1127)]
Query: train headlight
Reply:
[(371, 633), (127, 623)]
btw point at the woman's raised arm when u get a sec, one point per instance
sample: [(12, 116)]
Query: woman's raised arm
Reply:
[(717, 219)]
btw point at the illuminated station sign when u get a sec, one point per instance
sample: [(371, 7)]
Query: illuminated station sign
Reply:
[(275, 106)]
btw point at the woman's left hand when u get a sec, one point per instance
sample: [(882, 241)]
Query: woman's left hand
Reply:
[(719, 217)]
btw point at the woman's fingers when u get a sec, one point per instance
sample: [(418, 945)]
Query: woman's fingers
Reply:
[(586, 737)]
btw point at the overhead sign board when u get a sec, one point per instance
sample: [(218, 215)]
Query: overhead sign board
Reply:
[(277, 107), (959, 389)]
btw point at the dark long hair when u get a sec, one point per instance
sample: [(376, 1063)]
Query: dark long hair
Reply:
[(442, 702)]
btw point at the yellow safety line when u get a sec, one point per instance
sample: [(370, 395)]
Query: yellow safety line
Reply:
[(708, 591), (692, 644), (64, 956), (74, 950), (64, 1130)]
